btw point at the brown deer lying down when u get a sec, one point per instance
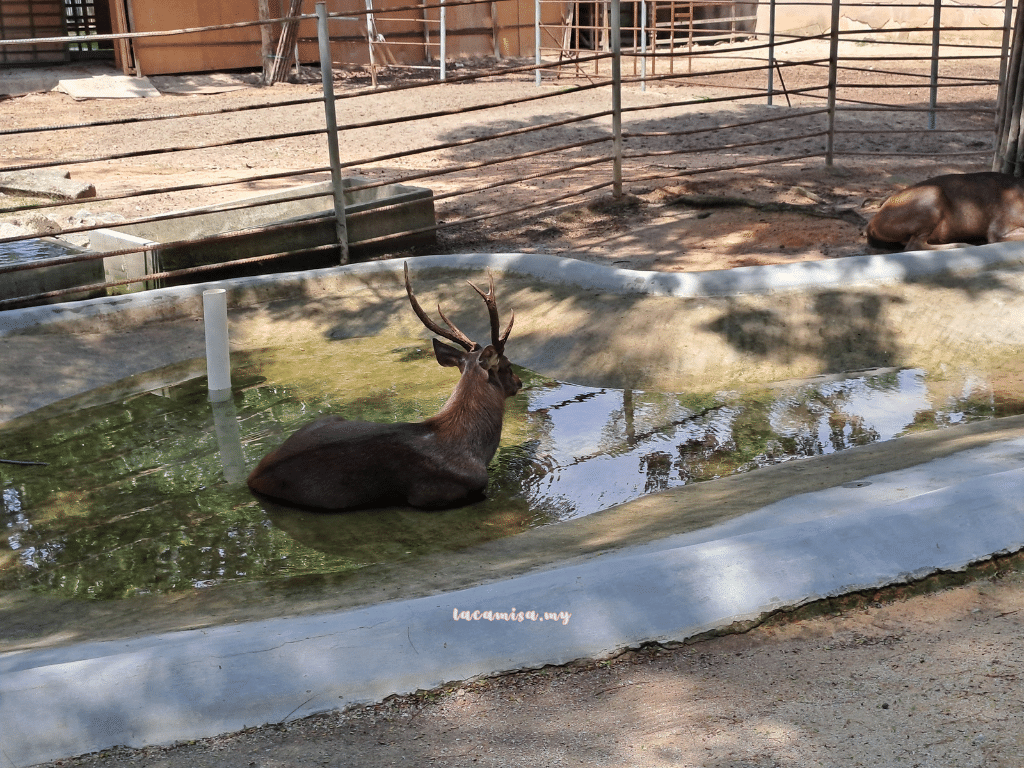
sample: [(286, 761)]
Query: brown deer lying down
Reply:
[(337, 464), (947, 211)]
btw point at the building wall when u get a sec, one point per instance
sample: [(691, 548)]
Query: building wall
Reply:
[(503, 27), (893, 20), (470, 33)]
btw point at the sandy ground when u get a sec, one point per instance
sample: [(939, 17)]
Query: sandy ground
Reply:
[(876, 680)]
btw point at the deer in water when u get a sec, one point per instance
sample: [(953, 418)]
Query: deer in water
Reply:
[(333, 463), (947, 211)]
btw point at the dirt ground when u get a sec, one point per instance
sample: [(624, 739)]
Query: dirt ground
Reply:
[(656, 227), (876, 680)]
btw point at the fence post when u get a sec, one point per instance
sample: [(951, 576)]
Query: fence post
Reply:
[(265, 42), (327, 76), (444, 39), (771, 52), (643, 45), (616, 33), (1009, 74), (371, 41), (833, 70), (536, 40), (1007, 156), (1004, 47), (933, 96)]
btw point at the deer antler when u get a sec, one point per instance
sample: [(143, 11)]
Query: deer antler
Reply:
[(452, 335), (492, 311)]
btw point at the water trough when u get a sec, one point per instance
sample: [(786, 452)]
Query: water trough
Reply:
[(391, 216)]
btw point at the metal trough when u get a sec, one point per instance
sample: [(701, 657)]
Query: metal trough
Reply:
[(391, 216)]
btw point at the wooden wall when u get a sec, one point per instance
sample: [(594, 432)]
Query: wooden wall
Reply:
[(22, 19), (471, 32)]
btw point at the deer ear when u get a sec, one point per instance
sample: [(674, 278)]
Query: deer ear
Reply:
[(489, 358), (449, 357)]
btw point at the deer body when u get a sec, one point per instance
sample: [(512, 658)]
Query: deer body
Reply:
[(333, 463), (943, 212)]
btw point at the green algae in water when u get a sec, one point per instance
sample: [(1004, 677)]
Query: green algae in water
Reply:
[(146, 493)]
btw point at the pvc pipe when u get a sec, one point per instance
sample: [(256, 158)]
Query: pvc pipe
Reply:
[(218, 353)]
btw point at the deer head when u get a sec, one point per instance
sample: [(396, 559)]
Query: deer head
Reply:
[(490, 359)]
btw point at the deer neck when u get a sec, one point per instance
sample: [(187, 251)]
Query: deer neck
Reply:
[(472, 416)]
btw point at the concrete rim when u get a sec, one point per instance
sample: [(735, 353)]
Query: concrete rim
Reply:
[(941, 515), (848, 271)]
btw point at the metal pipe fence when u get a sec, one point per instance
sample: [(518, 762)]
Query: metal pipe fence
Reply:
[(610, 132)]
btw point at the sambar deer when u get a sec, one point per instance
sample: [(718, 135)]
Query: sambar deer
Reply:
[(333, 463), (948, 211)]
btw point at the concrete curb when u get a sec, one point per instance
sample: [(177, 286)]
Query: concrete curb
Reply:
[(167, 303), (200, 683)]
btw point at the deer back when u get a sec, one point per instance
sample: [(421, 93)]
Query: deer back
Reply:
[(971, 208)]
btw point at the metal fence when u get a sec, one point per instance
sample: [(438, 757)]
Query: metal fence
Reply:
[(758, 101)]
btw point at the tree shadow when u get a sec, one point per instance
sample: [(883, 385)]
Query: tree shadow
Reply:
[(974, 285), (851, 331), (761, 332), (854, 331)]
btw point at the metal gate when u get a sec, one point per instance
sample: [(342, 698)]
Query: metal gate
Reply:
[(87, 17), (669, 28)]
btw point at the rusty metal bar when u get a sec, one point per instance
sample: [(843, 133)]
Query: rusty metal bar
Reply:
[(160, 275), (97, 255), (312, 132), (272, 256), (694, 150), (679, 172)]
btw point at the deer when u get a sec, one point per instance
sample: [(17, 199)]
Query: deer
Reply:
[(951, 211), (441, 462)]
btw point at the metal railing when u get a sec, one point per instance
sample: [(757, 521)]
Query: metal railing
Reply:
[(707, 120)]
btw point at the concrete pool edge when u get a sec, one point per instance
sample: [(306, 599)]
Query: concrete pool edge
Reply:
[(100, 693), (166, 303), (202, 683)]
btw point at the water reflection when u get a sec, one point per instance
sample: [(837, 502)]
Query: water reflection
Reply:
[(145, 493), (229, 440), (604, 447)]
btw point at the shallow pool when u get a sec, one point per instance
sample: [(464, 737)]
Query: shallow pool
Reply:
[(143, 491)]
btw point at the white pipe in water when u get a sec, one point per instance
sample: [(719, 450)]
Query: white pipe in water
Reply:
[(218, 354)]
